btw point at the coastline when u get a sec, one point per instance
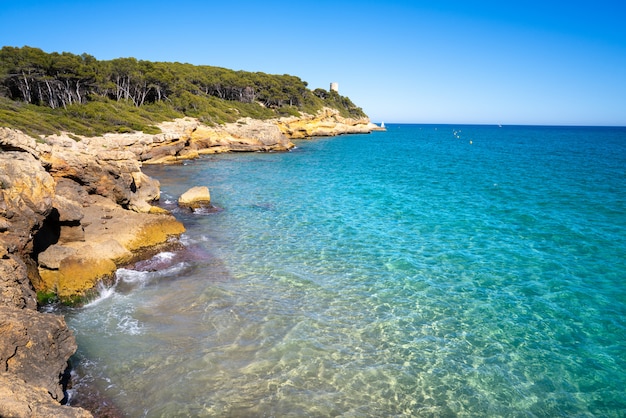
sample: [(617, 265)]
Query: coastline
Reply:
[(73, 211)]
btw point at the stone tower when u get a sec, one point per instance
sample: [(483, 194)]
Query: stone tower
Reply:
[(334, 87)]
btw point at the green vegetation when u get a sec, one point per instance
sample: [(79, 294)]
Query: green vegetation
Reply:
[(43, 93), (45, 298)]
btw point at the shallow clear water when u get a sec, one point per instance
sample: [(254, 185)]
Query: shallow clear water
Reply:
[(423, 271)]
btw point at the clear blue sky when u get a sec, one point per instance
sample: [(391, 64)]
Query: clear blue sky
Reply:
[(532, 62)]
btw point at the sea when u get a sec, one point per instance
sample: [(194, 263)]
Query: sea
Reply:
[(425, 271)]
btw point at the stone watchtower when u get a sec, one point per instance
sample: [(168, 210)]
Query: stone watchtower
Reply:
[(334, 87)]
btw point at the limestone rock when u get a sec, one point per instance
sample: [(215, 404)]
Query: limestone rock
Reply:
[(15, 288), (69, 210), (113, 236), (99, 174), (146, 190), (26, 195), (52, 256), (35, 347), (195, 198), (20, 399), (72, 191), (13, 140), (327, 122)]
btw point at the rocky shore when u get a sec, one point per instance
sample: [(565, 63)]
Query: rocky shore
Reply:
[(74, 209)]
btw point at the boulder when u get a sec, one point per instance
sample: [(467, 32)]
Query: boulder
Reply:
[(70, 211), (195, 198)]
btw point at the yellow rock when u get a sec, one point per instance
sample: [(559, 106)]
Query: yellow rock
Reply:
[(77, 275)]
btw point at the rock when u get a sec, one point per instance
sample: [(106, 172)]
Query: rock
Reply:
[(70, 211), (12, 140), (35, 347), (195, 198), (327, 122), (52, 256), (15, 288), (99, 174), (4, 224), (63, 223), (72, 191), (113, 236), (20, 399), (26, 195), (146, 190)]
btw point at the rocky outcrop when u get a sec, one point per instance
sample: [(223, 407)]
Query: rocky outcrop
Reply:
[(187, 138), (26, 194), (64, 208), (113, 236), (36, 347), (18, 399), (195, 198), (78, 209), (327, 122)]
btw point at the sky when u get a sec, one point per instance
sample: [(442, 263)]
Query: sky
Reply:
[(478, 62)]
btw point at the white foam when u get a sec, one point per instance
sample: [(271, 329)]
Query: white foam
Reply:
[(164, 256), (129, 326), (104, 292), (132, 276), (172, 270)]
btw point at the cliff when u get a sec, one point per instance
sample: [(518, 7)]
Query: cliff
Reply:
[(73, 209), (327, 122)]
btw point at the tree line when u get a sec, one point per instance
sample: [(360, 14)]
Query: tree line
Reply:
[(59, 80)]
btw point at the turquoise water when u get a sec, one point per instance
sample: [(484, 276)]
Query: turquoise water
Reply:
[(423, 271)]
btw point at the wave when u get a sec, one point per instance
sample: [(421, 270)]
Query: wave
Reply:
[(104, 292), (163, 265)]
